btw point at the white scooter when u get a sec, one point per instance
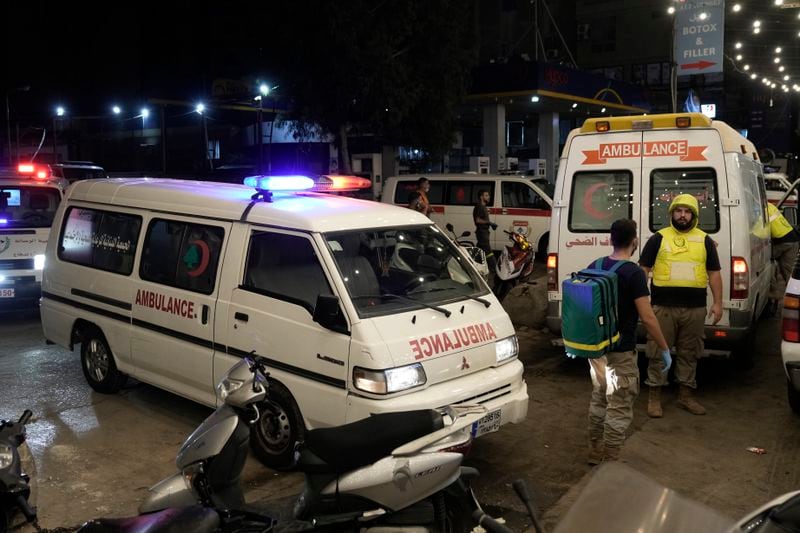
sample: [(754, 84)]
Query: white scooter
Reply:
[(389, 472)]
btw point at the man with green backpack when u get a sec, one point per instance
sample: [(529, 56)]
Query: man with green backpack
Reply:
[(601, 308)]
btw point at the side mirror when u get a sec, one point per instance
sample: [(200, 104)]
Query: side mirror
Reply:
[(328, 314), (449, 226), (466, 233)]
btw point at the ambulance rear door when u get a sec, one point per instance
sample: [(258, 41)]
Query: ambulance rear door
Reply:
[(601, 184), (688, 161)]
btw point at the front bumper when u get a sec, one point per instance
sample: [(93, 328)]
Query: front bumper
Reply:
[(496, 388), (27, 292)]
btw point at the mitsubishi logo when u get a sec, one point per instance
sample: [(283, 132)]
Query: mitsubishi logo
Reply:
[(464, 363)]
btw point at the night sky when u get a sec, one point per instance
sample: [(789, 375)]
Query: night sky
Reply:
[(88, 58)]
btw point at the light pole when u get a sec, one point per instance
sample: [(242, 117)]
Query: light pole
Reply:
[(24, 88), (200, 109), (59, 113), (263, 90)]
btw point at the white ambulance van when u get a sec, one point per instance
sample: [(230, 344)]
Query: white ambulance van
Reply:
[(632, 167), (359, 307), (517, 204), (29, 197)]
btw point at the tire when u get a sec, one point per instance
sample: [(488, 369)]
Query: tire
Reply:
[(4, 518), (459, 515), (794, 397), (281, 425), (541, 250), (97, 363), (502, 288)]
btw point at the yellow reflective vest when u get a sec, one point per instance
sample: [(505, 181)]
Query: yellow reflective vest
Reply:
[(778, 225), (681, 259)]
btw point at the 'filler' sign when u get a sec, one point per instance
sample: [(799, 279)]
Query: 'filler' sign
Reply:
[(699, 36)]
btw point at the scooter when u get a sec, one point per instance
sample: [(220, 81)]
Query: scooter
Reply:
[(477, 255), (514, 266), (15, 485), (400, 471)]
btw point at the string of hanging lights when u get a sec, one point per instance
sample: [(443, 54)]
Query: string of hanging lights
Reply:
[(763, 40)]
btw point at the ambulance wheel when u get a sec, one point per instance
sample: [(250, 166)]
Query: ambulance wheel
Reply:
[(98, 364), (281, 425), (794, 397)]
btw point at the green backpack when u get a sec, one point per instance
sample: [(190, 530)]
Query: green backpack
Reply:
[(589, 311)]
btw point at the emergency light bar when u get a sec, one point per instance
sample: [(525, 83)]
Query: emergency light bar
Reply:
[(331, 183), (279, 183), (31, 169)]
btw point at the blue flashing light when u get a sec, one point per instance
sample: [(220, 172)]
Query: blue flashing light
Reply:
[(279, 183), (3, 221)]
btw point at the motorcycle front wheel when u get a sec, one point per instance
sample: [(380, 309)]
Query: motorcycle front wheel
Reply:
[(502, 288)]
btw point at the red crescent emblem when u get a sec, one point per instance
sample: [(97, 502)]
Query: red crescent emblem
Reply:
[(587, 201), (205, 255)]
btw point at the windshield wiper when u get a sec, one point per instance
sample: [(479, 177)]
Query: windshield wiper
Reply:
[(442, 310), (486, 303)]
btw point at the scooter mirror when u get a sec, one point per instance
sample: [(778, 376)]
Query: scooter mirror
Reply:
[(449, 226), (466, 233)]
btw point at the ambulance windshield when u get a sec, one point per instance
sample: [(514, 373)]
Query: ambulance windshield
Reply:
[(391, 270), (27, 207)]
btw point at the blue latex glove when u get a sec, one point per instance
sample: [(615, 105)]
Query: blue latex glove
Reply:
[(667, 358)]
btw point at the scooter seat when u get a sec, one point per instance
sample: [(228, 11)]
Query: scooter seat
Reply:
[(172, 520), (365, 441)]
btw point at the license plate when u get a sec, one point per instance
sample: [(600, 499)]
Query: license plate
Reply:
[(488, 424), (6, 293)]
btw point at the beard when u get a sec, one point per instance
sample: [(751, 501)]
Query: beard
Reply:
[(682, 226)]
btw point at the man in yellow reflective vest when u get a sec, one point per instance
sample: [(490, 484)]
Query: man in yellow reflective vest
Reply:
[(784, 251), (683, 261)]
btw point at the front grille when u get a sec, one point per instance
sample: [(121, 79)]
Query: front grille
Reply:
[(16, 264), (486, 396)]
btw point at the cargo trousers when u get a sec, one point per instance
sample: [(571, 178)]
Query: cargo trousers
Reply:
[(615, 386), (683, 328)]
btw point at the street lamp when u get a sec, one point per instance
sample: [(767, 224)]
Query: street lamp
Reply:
[(24, 88), (116, 110), (200, 109), (263, 89), (60, 112)]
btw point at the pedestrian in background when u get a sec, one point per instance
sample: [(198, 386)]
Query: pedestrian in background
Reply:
[(615, 376), (480, 215), (784, 252), (684, 261), (414, 201), (423, 205)]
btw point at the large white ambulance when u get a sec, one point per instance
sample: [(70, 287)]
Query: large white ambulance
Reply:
[(29, 197), (632, 167), (358, 306)]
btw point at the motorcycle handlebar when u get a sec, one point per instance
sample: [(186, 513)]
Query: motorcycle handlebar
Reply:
[(488, 523)]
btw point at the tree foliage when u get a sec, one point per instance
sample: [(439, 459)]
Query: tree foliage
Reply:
[(395, 68)]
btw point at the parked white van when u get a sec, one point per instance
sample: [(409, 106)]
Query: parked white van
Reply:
[(517, 204), (359, 307), (29, 197), (632, 167)]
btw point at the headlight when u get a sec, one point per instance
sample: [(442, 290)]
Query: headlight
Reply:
[(6, 456), (389, 380), (38, 262), (227, 387), (506, 349)]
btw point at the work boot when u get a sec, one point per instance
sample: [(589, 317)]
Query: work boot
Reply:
[(596, 449), (654, 403), (686, 401), (611, 453)]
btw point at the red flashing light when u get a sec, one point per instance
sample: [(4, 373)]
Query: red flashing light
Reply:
[(790, 325), (26, 168), (740, 278), (37, 172), (552, 272), (331, 183), (720, 333), (41, 174)]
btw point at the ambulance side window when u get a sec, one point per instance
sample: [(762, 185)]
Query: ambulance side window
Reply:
[(285, 267), (406, 187), (100, 239), (466, 192), (666, 184), (181, 255), (516, 194), (598, 199)]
